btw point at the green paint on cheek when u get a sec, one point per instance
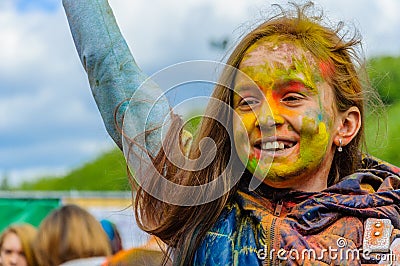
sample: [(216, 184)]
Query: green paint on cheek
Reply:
[(252, 164)]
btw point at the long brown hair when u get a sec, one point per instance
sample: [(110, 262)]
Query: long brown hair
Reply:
[(183, 228)]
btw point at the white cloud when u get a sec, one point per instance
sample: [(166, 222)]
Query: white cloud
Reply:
[(181, 30), (41, 108), (30, 38), (177, 31), (17, 176), (377, 21)]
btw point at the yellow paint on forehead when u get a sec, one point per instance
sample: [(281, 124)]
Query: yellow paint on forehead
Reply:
[(267, 63)]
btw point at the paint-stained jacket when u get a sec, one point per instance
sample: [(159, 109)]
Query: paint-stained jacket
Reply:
[(256, 227), (268, 227)]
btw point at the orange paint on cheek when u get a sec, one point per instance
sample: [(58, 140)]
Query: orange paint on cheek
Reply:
[(278, 110), (276, 106), (274, 102)]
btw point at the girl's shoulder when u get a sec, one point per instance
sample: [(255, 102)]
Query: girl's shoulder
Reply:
[(373, 163)]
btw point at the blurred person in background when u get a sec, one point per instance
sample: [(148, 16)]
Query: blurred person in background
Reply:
[(16, 245), (113, 235), (150, 254), (70, 235)]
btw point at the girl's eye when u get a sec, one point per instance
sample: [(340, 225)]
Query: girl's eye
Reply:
[(247, 103), (292, 99)]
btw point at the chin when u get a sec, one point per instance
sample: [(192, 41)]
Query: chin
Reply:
[(278, 184), (282, 181)]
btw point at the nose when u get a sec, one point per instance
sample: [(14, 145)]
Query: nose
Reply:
[(13, 259), (267, 119)]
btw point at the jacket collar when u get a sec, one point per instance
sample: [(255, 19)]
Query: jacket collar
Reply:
[(373, 191)]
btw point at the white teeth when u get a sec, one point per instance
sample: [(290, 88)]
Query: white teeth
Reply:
[(267, 146), (281, 146), (272, 145), (275, 145)]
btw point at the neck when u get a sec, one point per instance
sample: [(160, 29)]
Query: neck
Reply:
[(312, 184)]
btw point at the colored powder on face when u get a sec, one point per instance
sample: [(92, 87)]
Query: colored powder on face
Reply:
[(319, 117), (248, 120), (313, 142), (279, 68), (326, 68), (326, 104), (269, 74), (313, 146), (310, 76), (252, 164)]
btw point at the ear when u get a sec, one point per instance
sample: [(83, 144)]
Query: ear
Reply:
[(350, 123)]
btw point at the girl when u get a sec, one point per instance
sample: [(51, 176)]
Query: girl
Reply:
[(16, 245), (294, 122)]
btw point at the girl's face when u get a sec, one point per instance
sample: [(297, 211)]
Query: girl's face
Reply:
[(11, 253), (285, 125)]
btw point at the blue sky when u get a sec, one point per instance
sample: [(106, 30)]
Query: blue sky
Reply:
[(42, 5), (49, 123)]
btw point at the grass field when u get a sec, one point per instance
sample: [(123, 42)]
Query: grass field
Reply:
[(107, 172)]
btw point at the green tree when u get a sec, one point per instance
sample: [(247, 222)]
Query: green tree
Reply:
[(4, 184), (384, 73)]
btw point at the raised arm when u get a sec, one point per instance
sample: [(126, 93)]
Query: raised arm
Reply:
[(113, 74)]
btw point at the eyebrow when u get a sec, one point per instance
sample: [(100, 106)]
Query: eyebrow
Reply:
[(245, 87), (295, 82)]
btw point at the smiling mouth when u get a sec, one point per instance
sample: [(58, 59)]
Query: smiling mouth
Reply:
[(275, 146)]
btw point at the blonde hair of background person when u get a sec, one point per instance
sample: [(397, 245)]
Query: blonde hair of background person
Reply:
[(70, 233), (20, 254)]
